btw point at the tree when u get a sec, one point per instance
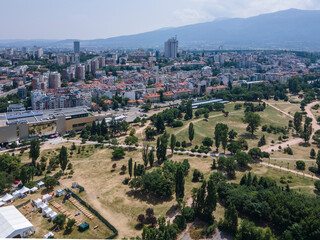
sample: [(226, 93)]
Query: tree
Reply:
[(34, 150), (151, 157), (188, 114), (318, 161), (301, 165), (208, 142), (307, 130), (130, 167), (160, 124), (253, 120), (234, 147), (210, 201), (70, 224), (232, 134), (150, 133), (162, 143), (248, 231), (297, 121), (230, 221), (221, 135), (191, 132), (262, 141), (179, 181), (63, 158), (145, 154), (173, 142), (230, 167), (118, 152), (294, 85), (312, 153), (60, 220), (317, 185), (243, 159), (50, 182)]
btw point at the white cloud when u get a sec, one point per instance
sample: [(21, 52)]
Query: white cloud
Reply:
[(188, 16)]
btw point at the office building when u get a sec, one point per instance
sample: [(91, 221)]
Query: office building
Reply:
[(76, 47), (171, 48)]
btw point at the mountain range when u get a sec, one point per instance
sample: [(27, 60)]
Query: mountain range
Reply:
[(288, 29)]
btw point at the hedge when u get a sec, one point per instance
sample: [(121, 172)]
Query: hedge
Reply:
[(95, 212), (23, 204)]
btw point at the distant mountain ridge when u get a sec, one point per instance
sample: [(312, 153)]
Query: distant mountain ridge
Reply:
[(288, 29)]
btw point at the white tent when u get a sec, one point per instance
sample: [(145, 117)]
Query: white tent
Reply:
[(24, 190), (37, 202), (6, 198), (16, 194), (43, 207), (2, 203), (13, 224), (40, 184), (53, 215), (33, 189), (47, 212)]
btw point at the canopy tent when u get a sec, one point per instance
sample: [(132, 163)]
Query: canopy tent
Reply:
[(24, 190), (46, 197), (13, 224), (83, 226), (43, 207), (37, 202), (2, 203), (59, 192), (6, 198), (40, 184), (33, 189), (53, 215), (46, 212), (16, 194)]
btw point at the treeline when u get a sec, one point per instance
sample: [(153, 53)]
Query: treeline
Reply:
[(291, 215), (103, 131)]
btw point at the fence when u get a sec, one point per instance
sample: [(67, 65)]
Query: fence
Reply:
[(96, 213)]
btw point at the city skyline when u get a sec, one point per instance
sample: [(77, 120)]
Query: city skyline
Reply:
[(98, 19)]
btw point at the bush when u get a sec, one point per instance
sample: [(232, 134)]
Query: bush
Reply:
[(177, 124), (184, 144), (317, 185), (181, 222), (188, 214), (178, 144), (126, 181), (313, 170), (196, 175), (301, 165)]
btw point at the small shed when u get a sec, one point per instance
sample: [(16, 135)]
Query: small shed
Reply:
[(7, 198), (59, 192), (40, 184), (83, 226), (37, 203)]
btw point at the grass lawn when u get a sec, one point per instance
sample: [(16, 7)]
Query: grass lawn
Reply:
[(287, 107), (205, 128)]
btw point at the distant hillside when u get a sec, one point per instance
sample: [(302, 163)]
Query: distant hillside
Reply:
[(290, 29)]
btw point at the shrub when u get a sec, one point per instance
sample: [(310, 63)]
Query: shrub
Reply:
[(301, 165), (184, 144), (188, 214), (178, 144), (181, 222), (177, 124), (317, 185)]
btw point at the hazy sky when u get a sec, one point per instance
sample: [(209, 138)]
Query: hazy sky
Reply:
[(89, 19)]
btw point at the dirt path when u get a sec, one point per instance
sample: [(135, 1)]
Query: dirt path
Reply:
[(289, 170)]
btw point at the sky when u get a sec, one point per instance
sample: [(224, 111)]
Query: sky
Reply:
[(92, 19)]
